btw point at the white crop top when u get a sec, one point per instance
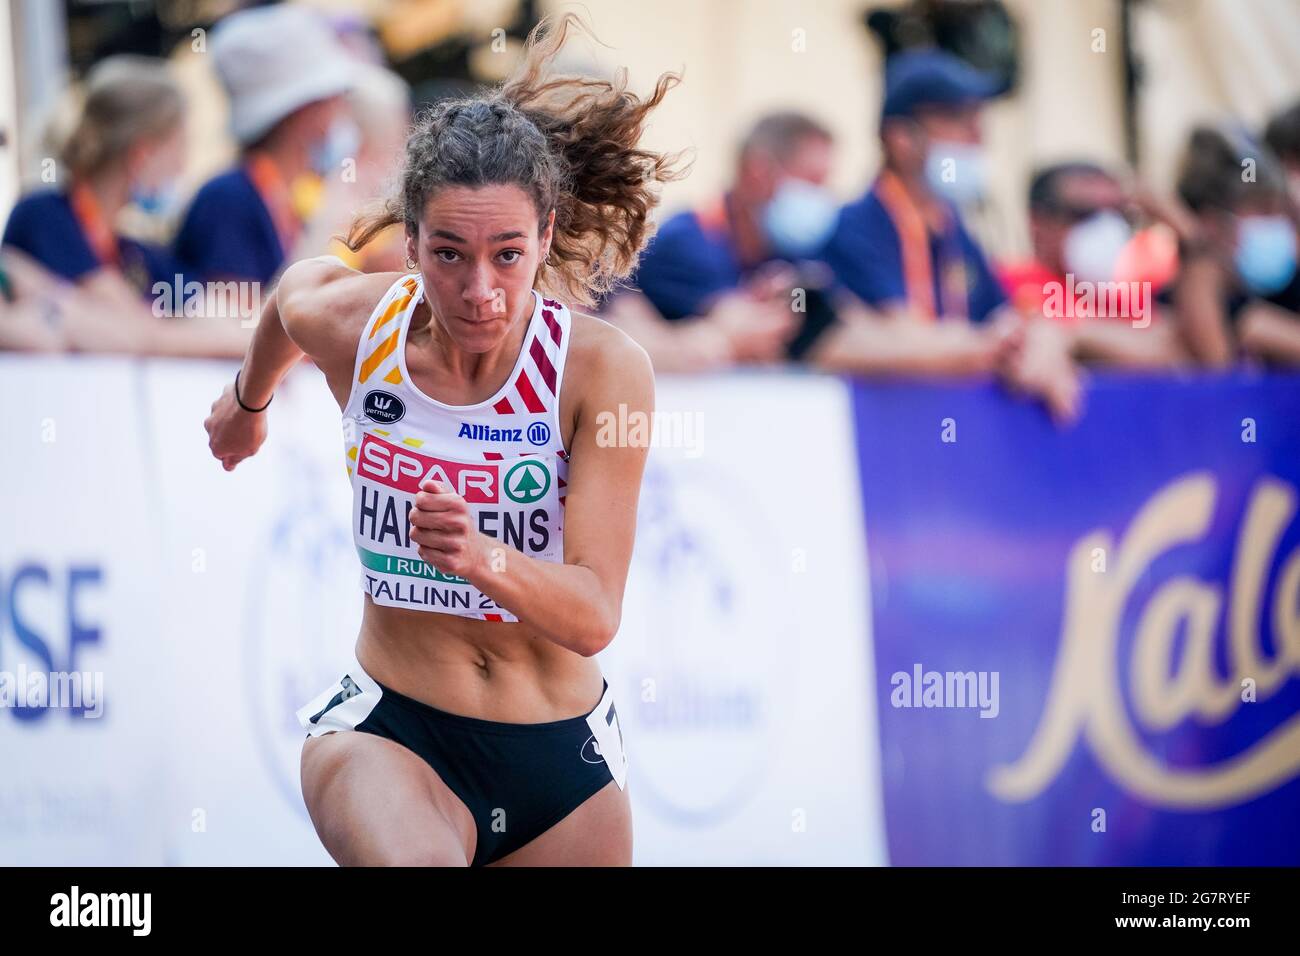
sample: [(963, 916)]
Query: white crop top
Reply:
[(503, 456)]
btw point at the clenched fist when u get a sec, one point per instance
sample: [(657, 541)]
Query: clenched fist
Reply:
[(442, 528), (233, 434)]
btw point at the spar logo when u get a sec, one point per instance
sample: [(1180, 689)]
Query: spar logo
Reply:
[(383, 407), (404, 469), (527, 482)]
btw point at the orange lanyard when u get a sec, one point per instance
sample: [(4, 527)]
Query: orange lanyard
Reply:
[(98, 233), (715, 217), (918, 264), (274, 192)]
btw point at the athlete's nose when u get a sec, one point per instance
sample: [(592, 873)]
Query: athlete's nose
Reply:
[(480, 292)]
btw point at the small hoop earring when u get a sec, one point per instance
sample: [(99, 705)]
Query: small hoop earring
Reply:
[(410, 263)]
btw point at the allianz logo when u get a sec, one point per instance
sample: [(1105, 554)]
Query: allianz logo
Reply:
[(1085, 701), (488, 433), (537, 433)]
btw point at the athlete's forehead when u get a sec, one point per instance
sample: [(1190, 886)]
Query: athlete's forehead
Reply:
[(482, 214)]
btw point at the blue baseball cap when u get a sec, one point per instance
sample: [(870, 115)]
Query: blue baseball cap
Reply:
[(931, 77)]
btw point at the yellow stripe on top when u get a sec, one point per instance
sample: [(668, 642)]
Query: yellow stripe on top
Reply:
[(397, 305), (385, 329), (381, 352)]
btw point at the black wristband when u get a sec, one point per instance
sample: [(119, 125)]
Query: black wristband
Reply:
[(241, 401)]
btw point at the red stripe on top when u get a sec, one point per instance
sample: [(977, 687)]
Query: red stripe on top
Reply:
[(531, 401), (503, 407), (553, 325), (493, 455), (493, 617), (543, 364)]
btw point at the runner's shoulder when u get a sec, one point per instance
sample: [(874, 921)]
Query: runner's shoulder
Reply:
[(602, 353), (325, 283), (323, 302)]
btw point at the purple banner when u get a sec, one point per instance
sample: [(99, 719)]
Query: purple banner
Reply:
[(1087, 640)]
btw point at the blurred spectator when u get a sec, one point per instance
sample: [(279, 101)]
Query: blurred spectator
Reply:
[(1077, 227), (285, 75), (71, 280), (713, 284), (127, 144), (902, 247), (1282, 136), (380, 105), (1242, 252), (43, 312), (1091, 274)]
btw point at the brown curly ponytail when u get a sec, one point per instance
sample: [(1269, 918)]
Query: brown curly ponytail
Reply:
[(569, 141)]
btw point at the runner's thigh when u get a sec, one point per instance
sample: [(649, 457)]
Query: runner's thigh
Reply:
[(375, 803), (597, 833)]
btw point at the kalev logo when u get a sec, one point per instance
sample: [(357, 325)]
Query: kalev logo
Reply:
[(527, 482), (383, 407), (488, 433), (539, 433)]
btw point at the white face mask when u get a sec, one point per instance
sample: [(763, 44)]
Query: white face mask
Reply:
[(1092, 247), (957, 171), (799, 218), (341, 142)]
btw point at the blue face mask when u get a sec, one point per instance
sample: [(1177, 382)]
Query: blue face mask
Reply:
[(1266, 253), (341, 143), (800, 218), (957, 171), (159, 200)]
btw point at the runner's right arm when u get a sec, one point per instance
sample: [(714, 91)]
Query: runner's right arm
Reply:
[(306, 314)]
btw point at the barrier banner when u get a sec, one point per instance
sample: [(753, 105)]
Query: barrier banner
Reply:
[(86, 675), (738, 669), (212, 604), (1086, 638)]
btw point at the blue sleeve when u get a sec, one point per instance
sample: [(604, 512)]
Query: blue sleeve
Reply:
[(227, 234), (680, 269), (986, 292), (865, 256), (145, 265), (43, 226)]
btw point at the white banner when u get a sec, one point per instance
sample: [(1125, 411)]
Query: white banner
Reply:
[(81, 572), (740, 666), (216, 603)]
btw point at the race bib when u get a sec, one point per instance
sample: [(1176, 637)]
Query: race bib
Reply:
[(515, 501)]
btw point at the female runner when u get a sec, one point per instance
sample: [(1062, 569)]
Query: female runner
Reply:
[(494, 507)]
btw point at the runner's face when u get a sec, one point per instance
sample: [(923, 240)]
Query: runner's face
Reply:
[(479, 251)]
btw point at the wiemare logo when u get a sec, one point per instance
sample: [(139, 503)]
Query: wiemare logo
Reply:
[(103, 909), (383, 407)]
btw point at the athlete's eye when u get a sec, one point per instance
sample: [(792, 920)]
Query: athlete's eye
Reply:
[(440, 253), (515, 253)]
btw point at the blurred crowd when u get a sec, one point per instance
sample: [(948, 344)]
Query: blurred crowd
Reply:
[(1199, 272), (319, 125)]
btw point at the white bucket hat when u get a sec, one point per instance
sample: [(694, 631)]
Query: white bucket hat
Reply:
[(274, 60)]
